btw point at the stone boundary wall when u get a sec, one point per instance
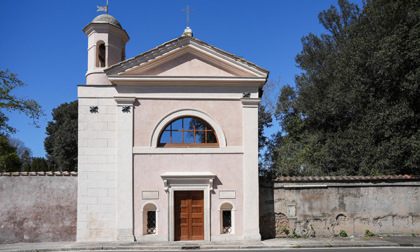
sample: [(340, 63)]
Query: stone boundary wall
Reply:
[(323, 206), (38, 206)]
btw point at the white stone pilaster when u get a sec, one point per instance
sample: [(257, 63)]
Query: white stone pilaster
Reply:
[(125, 168), (250, 163)]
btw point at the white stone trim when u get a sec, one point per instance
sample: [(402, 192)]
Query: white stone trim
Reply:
[(125, 199), (188, 181), (224, 202), (251, 230), (187, 112), (147, 203), (121, 101), (250, 102), (200, 150), (186, 80)]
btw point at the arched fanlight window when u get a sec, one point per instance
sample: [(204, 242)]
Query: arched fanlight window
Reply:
[(100, 62), (188, 132)]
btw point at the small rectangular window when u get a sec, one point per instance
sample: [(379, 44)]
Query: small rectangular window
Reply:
[(151, 222), (227, 222)]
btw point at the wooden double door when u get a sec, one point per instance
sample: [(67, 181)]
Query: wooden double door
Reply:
[(189, 215)]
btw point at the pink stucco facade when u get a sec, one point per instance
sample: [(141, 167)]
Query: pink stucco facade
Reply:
[(149, 112), (147, 171), (148, 168)]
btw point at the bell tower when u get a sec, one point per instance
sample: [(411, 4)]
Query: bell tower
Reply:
[(106, 47)]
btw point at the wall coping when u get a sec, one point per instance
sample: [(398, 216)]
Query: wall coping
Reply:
[(348, 179), (48, 173)]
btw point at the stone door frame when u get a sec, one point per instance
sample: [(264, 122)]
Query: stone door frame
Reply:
[(188, 182)]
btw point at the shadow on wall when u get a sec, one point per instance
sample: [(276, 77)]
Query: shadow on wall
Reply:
[(267, 214)]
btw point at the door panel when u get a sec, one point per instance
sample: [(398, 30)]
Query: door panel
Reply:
[(189, 215)]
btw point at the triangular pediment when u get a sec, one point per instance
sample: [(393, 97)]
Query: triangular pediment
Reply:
[(187, 64), (186, 57)]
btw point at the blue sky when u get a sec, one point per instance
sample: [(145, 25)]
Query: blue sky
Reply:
[(43, 42)]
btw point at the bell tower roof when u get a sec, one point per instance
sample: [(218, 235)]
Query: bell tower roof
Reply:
[(106, 19)]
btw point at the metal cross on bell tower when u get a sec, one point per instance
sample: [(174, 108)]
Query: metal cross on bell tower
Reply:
[(188, 10)]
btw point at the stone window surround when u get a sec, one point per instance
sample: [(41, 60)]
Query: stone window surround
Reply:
[(144, 209), (233, 210)]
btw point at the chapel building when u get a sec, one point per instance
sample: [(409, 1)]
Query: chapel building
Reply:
[(168, 141)]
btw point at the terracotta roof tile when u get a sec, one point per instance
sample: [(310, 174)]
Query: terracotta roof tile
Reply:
[(348, 178), (49, 173), (154, 50)]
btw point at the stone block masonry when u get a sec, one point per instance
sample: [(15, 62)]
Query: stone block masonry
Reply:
[(38, 207), (325, 206), (97, 169)]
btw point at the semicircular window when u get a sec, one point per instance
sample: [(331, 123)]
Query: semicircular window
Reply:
[(188, 132)]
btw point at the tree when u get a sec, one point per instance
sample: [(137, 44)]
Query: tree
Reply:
[(9, 102), (23, 152), (355, 108), (39, 164), (13, 158), (9, 160), (61, 141)]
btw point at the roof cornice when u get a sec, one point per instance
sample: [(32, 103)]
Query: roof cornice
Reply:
[(186, 80)]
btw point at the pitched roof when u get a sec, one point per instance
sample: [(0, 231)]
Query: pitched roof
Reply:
[(177, 43)]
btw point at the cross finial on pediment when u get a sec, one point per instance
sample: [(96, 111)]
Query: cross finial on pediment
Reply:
[(188, 10)]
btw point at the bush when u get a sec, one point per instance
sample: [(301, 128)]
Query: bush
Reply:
[(368, 233), (343, 233)]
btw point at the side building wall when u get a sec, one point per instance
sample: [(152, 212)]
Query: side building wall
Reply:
[(38, 207), (324, 206), (97, 166)]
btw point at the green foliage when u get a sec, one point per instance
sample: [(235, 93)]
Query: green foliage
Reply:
[(39, 164), (264, 121), (368, 233), (285, 230), (9, 160), (61, 141), (312, 234), (355, 108), (9, 102), (23, 152), (294, 234), (342, 233), (413, 234)]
